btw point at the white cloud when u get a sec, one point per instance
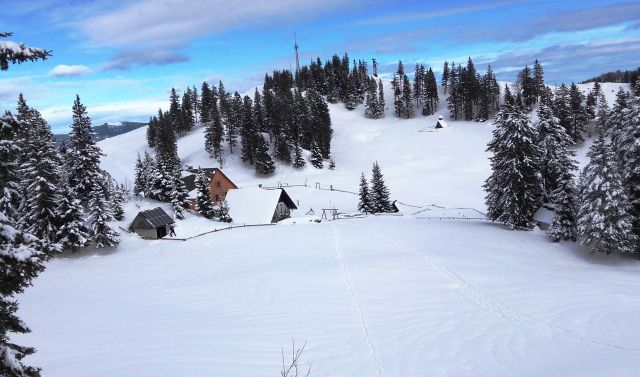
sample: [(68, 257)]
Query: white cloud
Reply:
[(173, 22), (63, 70)]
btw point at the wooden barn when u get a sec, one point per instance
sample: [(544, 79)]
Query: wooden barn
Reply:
[(152, 223), (219, 184), (259, 206)]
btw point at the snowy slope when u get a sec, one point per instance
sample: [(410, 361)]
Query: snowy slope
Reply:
[(381, 296)]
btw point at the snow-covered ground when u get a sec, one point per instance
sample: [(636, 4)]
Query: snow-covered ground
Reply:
[(382, 296)]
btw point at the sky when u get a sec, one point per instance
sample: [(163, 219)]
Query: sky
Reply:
[(122, 57)]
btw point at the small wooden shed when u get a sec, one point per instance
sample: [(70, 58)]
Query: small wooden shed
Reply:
[(152, 223), (441, 123)]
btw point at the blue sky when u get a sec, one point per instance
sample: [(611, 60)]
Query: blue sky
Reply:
[(123, 57)]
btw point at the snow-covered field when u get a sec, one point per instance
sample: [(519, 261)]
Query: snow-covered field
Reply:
[(378, 296)]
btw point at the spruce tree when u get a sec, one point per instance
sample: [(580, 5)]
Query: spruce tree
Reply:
[(40, 179), (514, 188), (178, 196), (175, 114), (445, 76), (538, 79), (206, 100), (117, 201), (320, 121), (99, 216), (222, 212), (248, 132), (264, 162), (203, 198), (407, 99), (138, 177), (629, 163), (83, 153), (364, 205), (371, 102), (298, 158), (379, 201), (71, 233), (553, 141), (381, 102), (564, 223), (604, 221), (316, 156)]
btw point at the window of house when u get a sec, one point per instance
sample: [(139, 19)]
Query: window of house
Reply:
[(217, 183)]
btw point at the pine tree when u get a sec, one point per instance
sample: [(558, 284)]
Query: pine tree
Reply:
[(381, 102), (555, 155), (152, 132), (371, 102), (602, 116), (445, 76), (117, 201), (248, 132), (203, 198), (562, 109), (175, 115), (264, 162), (222, 212), (629, 163), (320, 121), (16, 53), (604, 222), (538, 79), (188, 120), (564, 223), (379, 201), (84, 154), (40, 178), (407, 99), (298, 158), (579, 118), (364, 205), (316, 156), (71, 233), (206, 102), (139, 180), (514, 188), (99, 215), (179, 196)]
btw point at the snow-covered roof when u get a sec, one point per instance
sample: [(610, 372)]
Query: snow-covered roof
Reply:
[(441, 123), (253, 205)]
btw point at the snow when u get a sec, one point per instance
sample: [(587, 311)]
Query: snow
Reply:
[(382, 296)]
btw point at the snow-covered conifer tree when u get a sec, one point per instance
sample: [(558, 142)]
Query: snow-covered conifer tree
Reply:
[(514, 188), (203, 196), (379, 201), (72, 233), (264, 162), (298, 158), (316, 156), (83, 153), (364, 204), (99, 216), (564, 223), (604, 222)]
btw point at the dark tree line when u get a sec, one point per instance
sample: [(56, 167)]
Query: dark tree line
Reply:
[(471, 96), (627, 76)]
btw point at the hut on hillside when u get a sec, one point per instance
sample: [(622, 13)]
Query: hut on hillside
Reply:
[(152, 223), (219, 184), (259, 206), (441, 123)]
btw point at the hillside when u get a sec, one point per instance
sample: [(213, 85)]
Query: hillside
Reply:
[(377, 296), (107, 130)]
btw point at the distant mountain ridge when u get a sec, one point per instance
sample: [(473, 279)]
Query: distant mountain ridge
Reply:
[(106, 130)]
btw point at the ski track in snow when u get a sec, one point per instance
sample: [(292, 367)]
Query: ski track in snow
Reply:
[(495, 305), (363, 322)]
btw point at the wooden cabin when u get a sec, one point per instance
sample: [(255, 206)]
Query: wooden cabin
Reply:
[(219, 184), (259, 206), (152, 223)]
